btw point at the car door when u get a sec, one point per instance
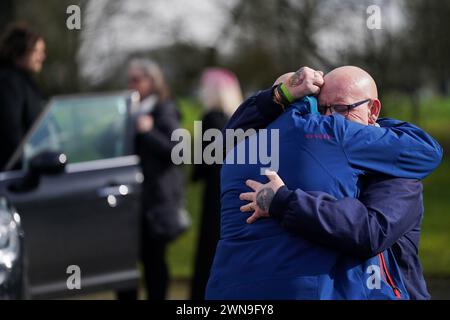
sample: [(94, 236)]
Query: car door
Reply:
[(85, 218)]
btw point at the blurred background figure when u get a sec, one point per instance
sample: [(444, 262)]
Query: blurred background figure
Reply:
[(22, 54), (163, 182), (220, 95)]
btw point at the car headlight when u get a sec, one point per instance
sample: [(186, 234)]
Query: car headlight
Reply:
[(9, 242)]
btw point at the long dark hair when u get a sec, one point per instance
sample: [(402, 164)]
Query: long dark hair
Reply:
[(16, 42)]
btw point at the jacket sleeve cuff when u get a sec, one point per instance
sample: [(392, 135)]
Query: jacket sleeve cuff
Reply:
[(266, 106), (280, 203)]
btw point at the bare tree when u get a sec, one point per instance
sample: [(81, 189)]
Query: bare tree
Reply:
[(429, 39)]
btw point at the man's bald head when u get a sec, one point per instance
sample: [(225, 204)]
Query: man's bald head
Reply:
[(349, 85), (283, 78)]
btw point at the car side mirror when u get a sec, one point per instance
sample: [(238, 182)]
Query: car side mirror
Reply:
[(44, 163), (47, 163)]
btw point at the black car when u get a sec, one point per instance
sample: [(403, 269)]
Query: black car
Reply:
[(12, 279), (76, 199)]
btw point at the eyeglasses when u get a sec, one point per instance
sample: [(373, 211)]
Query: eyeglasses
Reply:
[(342, 109)]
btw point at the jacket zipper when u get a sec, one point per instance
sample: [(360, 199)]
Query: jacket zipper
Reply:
[(388, 279)]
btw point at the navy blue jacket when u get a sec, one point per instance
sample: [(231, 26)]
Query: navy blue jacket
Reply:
[(388, 213), (315, 153)]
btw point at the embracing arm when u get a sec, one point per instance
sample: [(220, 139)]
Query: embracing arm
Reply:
[(387, 209), (256, 112), (398, 149), (260, 110)]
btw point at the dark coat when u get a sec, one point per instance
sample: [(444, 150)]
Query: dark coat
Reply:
[(20, 105), (210, 218), (163, 181)]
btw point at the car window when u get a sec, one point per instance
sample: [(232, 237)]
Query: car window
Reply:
[(84, 128)]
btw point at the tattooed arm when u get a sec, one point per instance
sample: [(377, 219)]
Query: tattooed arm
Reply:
[(258, 111), (388, 208), (262, 196)]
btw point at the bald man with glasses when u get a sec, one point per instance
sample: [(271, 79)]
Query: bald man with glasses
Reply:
[(333, 237)]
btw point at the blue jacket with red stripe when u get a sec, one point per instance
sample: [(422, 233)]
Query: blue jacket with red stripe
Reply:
[(316, 153)]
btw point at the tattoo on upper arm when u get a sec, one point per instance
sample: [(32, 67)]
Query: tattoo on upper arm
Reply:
[(297, 78), (264, 198)]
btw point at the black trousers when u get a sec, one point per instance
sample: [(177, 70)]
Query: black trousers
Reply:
[(156, 272), (208, 238)]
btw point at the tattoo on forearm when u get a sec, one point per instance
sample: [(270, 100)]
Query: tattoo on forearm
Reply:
[(264, 199), (297, 78)]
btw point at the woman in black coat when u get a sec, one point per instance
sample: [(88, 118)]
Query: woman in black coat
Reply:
[(221, 95), (162, 192), (22, 54)]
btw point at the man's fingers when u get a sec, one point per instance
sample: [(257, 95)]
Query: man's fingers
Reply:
[(253, 218), (272, 175), (248, 196), (318, 80), (315, 90), (253, 184), (248, 207)]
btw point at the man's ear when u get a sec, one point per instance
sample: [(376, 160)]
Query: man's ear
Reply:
[(374, 111)]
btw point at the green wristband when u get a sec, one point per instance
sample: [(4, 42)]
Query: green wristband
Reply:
[(286, 93)]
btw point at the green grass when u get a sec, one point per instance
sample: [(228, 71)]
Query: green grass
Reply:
[(435, 236), (434, 113), (434, 117), (182, 252)]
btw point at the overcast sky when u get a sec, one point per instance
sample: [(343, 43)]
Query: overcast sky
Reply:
[(113, 28), (109, 30)]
